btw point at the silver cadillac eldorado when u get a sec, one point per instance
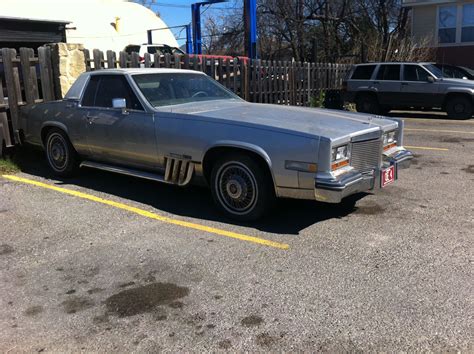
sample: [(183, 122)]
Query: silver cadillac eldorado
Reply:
[(181, 127)]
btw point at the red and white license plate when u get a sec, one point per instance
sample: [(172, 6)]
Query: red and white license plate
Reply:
[(387, 176)]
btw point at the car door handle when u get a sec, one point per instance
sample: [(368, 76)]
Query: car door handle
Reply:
[(90, 118), (405, 84), (376, 82)]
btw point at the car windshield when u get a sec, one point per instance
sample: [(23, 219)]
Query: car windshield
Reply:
[(434, 70), (175, 88)]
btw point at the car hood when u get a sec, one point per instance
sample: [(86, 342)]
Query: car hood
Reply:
[(312, 122), (458, 82)]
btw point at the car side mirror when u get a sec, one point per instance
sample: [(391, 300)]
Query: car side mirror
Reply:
[(119, 103), (431, 79)]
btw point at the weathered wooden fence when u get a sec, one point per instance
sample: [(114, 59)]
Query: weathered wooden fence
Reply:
[(277, 82), (30, 77), (25, 78)]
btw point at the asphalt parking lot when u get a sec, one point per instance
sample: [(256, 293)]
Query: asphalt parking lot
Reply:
[(121, 264)]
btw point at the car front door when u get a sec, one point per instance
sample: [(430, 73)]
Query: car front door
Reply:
[(417, 90), (387, 84), (122, 136)]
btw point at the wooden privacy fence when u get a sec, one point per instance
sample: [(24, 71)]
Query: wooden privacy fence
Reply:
[(262, 81), (25, 78), (30, 77)]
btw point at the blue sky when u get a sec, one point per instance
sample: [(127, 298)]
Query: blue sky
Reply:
[(178, 12)]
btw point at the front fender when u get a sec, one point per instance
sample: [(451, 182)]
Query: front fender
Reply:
[(465, 90), (241, 145)]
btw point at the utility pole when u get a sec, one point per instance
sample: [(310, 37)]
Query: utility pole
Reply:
[(250, 23), (196, 23)]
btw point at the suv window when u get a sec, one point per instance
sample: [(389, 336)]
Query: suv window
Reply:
[(389, 72), (415, 73), (363, 72), (132, 48), (101, 89)]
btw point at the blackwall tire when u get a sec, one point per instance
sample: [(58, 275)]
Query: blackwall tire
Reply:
[(60, 154), (367, 104), (460, 107)]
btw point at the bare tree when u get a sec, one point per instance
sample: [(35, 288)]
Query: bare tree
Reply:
[(310, 30)]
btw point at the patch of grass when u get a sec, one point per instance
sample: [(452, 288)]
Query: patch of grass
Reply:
[(318, 101), (8, 166)]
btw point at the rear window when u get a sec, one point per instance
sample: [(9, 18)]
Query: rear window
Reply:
[(132, 48), (363, 72)]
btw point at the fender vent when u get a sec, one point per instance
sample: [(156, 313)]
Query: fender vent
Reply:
[(178, 171)]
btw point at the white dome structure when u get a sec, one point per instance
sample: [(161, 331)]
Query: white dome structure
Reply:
[(97, 24)]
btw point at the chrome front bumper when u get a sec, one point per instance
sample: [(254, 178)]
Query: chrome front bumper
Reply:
[(333, 190)]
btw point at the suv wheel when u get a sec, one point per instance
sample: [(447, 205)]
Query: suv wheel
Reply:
[(61, 156), (367, 104), (241, 188), (459, 107)]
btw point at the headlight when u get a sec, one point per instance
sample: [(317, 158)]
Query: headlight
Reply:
[(340, 153), (389, 138), (340, 157)]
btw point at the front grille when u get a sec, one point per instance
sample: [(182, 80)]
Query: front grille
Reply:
[(366, 155)]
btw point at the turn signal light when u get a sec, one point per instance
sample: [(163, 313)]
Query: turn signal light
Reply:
[(339, 164), (389, 146)]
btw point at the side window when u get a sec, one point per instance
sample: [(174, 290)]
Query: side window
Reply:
[(457, 74), (115, 86), (389, 72), (363, 72), (89, 95), (415, 73)]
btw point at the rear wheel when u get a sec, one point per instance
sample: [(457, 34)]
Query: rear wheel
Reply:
[(460, 107), (61, 156), (367, 104), (241, 188)]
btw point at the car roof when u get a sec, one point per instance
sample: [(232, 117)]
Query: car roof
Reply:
[(138, 71)]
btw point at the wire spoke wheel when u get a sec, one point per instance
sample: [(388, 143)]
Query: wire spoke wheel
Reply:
[(236, 188), (57, 152)]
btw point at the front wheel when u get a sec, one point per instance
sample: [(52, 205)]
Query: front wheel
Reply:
[(367, 104), (241, 188), (61, 156), (460, 107)]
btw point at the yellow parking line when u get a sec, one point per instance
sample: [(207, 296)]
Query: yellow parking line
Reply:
[(438, 131), (151, 215), (425, 148)]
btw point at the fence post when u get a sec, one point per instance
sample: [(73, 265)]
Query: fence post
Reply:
[(309, 85), (25, 55), (4, 127), (135, 63), (111, 60), (8, 55), (44, 57), (123, 59), (98, 58)]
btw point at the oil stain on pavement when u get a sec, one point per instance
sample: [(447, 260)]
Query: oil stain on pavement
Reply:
[(251, 321), (76, 303), (469, 169), (6, 249), (143, 299)]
